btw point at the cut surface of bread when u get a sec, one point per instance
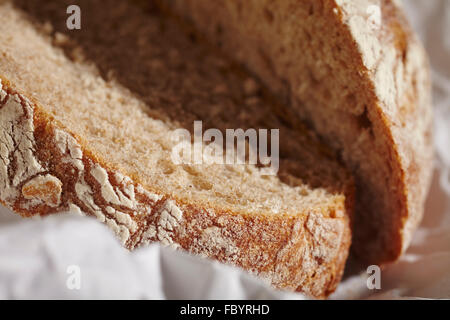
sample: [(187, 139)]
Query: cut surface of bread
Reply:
[(356, 73), (87, 119)]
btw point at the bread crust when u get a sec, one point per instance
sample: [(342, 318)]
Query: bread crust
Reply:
[(53, 171), (404, 117)]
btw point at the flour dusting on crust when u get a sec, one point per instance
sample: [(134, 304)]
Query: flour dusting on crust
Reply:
[(44, 189), (17, 145)]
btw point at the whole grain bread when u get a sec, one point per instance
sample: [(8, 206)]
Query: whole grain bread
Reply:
[(86, 119), (356, 73)]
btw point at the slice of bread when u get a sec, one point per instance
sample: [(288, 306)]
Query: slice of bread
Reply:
[(355, 71), (86, 122)]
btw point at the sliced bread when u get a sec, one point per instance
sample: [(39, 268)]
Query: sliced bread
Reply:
[(86, 122)]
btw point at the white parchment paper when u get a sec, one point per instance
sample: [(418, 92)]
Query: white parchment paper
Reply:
[(72, 257)]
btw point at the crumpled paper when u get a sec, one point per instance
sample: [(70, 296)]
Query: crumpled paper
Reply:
[(71, 257)]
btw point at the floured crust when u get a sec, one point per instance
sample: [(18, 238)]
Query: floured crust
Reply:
[(44, 169), (397, 68), (46, 189)]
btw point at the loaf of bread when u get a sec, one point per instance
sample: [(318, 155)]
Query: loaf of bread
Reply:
[(356, 73), (86, 120)]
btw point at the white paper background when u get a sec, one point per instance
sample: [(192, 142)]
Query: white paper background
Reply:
[(35, 254)]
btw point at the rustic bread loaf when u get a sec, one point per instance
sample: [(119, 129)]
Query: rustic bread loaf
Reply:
[(355, 71), (86, 119)]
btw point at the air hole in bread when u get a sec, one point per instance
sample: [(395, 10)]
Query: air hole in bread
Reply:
[(166, 166), (269, 15), (202, 184), (190, 170), (364, 121), (219, 29), (192, 37)]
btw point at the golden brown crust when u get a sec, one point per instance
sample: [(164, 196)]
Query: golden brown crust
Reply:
[(405, 120), (306, 252), (415, 117)]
